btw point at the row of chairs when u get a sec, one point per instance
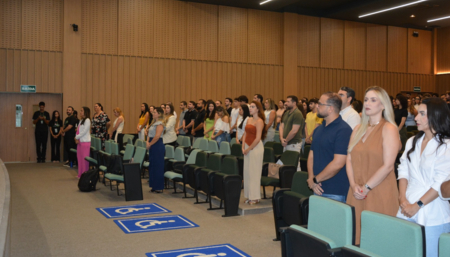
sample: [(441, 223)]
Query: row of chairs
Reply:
[(330, 231)]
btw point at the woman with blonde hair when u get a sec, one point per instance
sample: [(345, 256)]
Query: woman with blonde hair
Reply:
[(270, 121), (117, 125), (372, 150), (170, 135), (156, 151)]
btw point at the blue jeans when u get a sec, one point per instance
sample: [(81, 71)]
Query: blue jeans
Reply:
[(339, 198), (432, 234), (220, 138), (228, 137)]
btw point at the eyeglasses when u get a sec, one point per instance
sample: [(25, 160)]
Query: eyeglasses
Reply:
[(321, 104)]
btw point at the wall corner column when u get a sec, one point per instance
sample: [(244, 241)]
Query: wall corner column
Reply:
[(72, 54), (290, 46)]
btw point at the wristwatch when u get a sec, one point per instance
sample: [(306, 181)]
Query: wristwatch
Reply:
[(315, 180), (420, 203)]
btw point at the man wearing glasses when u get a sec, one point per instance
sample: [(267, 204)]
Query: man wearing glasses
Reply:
[(347, 113), (327, 176)]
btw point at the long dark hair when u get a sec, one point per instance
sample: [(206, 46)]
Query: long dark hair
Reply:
[(210, 115), (403, 101), (261, 116), (438, 115), (246, 112), (100, 105), (300, 108), (53, 118), (144, 111), (87, 114)]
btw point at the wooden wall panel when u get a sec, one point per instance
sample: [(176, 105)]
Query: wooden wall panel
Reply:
[(265, 37), (397, 49), (136, 27), (42, 25), (10, 24), (99, 26), (233, 30), (376, 59), (315, 81), (170, 29), (331, 43), (355, 45), (442, 83), (420, 52), (443, 53), (308, 41), (202, 31)]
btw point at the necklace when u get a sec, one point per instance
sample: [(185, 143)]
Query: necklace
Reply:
[(373, 125)]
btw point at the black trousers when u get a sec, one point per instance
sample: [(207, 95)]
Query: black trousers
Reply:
[(233, 135), (41, 144), (56, 148), (69, 142)]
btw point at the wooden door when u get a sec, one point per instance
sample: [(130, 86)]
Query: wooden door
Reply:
[(18, 143)]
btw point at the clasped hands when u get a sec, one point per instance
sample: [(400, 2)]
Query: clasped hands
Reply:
[(408, 209), (316, 188)]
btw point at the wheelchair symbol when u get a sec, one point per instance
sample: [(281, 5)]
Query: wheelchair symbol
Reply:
[(124, 211), (151, 223), (201, 255)]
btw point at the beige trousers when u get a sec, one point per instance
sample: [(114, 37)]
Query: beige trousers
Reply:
[(253, 162)]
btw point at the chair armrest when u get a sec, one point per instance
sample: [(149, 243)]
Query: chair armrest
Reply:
[(277, 201), (286, 174), (265, 170), (336, 252)]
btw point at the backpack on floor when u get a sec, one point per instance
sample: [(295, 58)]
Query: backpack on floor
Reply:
[(88, 181)]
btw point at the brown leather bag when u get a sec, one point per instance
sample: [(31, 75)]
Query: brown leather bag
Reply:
[(274, 170)]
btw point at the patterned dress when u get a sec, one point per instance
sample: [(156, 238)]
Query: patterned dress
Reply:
[(99, 127)]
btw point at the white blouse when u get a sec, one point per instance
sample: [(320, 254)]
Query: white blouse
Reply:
[(170, 135), (240, 131), (423, 172), (84, 134), (220, 125)]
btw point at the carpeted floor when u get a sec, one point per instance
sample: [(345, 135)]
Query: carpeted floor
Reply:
[(50, 217)]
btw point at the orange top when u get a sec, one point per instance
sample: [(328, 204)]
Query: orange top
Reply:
[(250, 134)]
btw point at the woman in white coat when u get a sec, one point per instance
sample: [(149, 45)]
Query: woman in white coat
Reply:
[(170, 135), (424, 167)]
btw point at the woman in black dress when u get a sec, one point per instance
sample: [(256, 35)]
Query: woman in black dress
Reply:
[(55, 131)]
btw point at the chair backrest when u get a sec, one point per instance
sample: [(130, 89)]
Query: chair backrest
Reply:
[(212, 146), (236, 150), (269, 144), (192, 157), (389, 236), (411, 128), (139, 155), (129, 151), (233, 141), (128, 138), (186, 142), (114, 148), (323, 216), (214, 162), (278, 148), (290, 158), (180, 140), (201, 159), (269, 155), (108, 146), (196, 144), (225, 148), (98, 143), (179, 155), (305, 153), (299, 184), (170, 153), (444, 245), (276, 137), (203, 144), (230, 166), (141, 143)]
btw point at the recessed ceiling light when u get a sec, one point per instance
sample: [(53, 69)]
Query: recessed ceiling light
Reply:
[(448, 17), (264, 2), (392, 8), (412, 16)]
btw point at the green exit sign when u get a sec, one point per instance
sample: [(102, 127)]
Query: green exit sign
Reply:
[(416, 89), (27, 89)]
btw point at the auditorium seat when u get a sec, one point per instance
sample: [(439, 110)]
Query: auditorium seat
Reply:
[(212, 147), (180, 140), (444, 245), (95, 147), (114, 148), (202, 175), (331, 225), (278, 150), (290, 206), (269, 155), (107, 146), (387, 236), (178, 157), (169, 154), (224, 149), (304, 158), (276, 137), (176, 175), (236, 150), (200, 161), (128, 139), (233, 141), (286, 172)]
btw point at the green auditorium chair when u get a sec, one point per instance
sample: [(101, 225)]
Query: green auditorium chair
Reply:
[(224, 149), (269, 155), (444, 245), (304, 158), (278, 150), (128, 140), (188, 171), (168, 155), (290, 206), (269, 144), (233, 141), (178, 157), (114, 148), (286, 172), (107, 146), (180, 139), (212, 147), (202, 175), (331, 225), (176, 175), (236, 150), (387, 236), (276, 137)]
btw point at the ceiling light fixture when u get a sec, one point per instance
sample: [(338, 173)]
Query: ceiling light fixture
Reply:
[(264, 2), (412, 16), (438, 19), (393, 8)]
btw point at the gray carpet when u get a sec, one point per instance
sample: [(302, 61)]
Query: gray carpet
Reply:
[(50, 217)]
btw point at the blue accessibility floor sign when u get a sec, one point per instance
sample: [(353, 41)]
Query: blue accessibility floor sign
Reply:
[(150, 224), (226, 250), (132, 210)]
